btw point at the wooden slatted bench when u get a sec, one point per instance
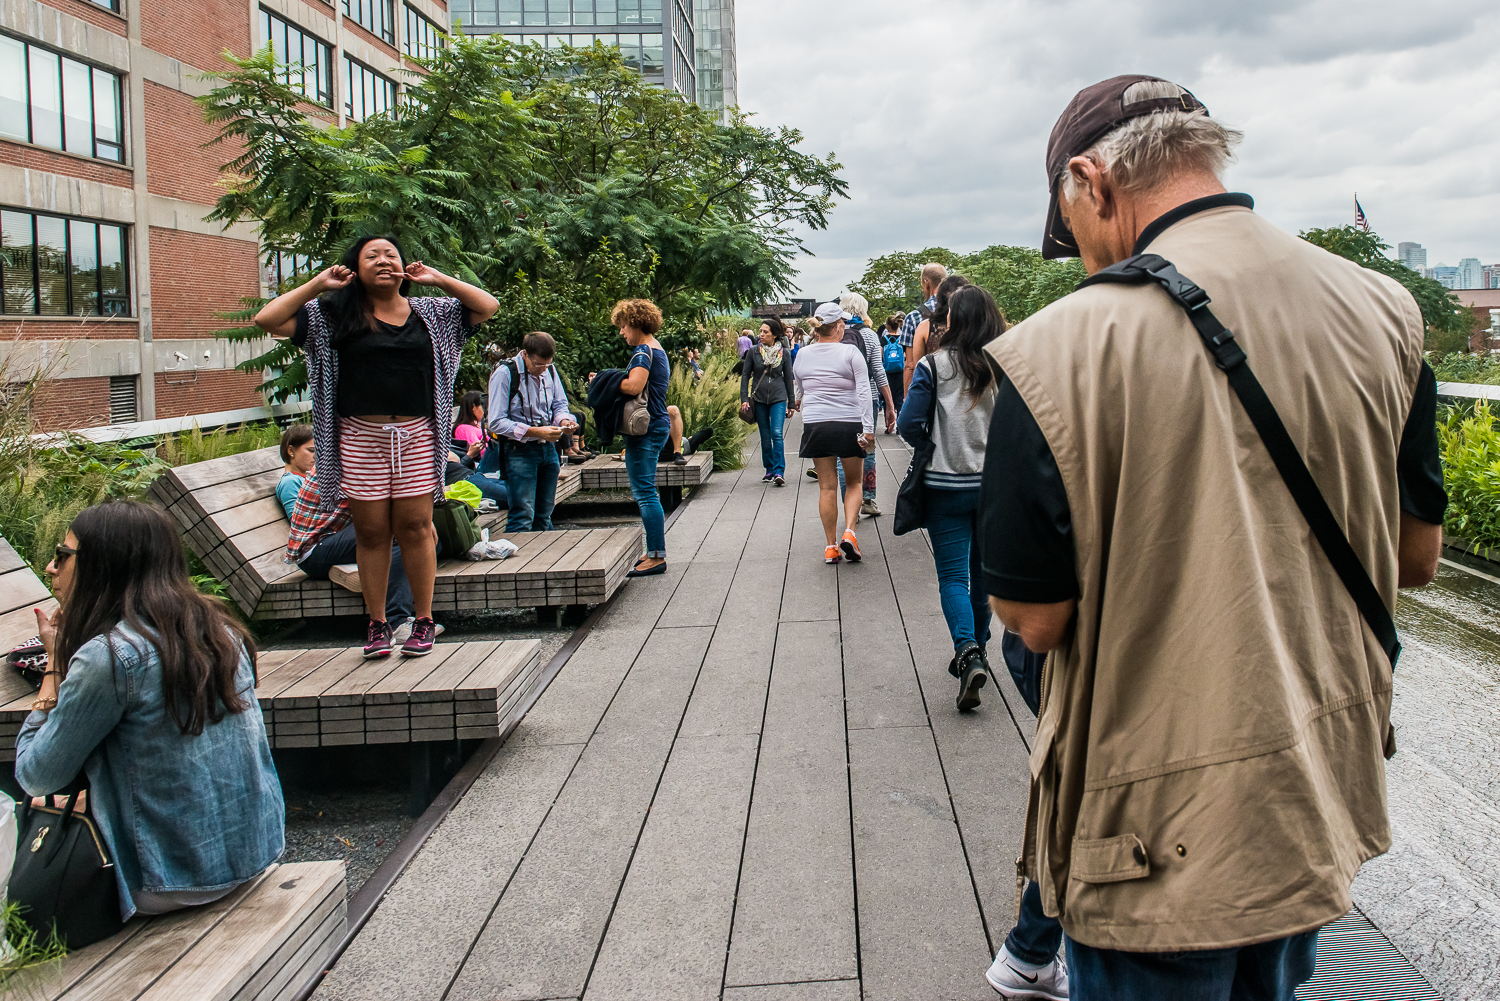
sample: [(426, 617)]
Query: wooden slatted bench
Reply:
[(263, 942), (229, 515), (331, 696), (580, 567), (608, 473), (21, 590)]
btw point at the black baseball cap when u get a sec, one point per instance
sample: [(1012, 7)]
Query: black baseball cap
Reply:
[(1093, 113)]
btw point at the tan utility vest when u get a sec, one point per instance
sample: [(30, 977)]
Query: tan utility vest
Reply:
[(1207, 770)]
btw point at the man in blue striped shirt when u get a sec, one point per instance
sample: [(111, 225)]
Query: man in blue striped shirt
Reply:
[(529, 412), (932, 277)]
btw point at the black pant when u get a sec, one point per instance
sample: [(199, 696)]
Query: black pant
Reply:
[(338, 549)]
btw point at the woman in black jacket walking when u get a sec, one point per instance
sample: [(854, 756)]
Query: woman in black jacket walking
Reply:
[(768, 368)]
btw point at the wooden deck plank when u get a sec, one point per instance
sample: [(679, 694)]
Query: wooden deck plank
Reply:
[(10, 560), (266, 510), (491, 675), (213, 500), (20, 625), (306, 690), (292, 672), (21, 589), (137, 964), (440, 684), (236, 947), (230, 467), (396, 686)]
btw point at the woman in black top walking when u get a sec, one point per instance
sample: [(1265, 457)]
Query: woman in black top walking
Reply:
[(381, 370), (768, 367)]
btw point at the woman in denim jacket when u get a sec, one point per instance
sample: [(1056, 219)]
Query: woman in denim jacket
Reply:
[(151, 693)]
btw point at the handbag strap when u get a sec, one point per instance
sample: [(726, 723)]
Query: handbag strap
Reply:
[(1230, 357)]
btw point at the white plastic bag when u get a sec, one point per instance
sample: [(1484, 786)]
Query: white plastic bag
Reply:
[(484, 549)]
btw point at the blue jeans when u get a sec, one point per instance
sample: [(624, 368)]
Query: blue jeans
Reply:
[(1036, 938), (953, 526), (338, 548), (531, 476), (1269, 971), (494, 490), (489, 461), (771, 417), (641, 455), (869, 480)]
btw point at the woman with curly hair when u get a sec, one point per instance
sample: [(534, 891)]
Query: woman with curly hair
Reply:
[(649, 369)]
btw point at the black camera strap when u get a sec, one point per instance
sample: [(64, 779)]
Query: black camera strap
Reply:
[(1150, 268)]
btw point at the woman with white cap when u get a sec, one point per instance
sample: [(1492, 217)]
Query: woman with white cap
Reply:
[(833, 384)]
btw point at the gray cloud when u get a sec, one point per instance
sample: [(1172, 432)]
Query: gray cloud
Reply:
[(940, 110)]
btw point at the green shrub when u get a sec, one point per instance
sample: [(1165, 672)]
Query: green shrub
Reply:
[(713, 401), (1471, 473), (1474, 369), (32, 967), (186, 449)]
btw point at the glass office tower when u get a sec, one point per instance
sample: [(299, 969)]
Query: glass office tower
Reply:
[(656, 36), (718, 87)]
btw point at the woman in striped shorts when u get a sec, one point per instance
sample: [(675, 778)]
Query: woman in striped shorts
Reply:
[(381, 368)]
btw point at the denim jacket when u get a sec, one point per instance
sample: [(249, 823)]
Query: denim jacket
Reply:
[(177, 812)]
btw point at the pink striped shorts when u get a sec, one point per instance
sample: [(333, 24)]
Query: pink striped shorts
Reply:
[(384, 461)]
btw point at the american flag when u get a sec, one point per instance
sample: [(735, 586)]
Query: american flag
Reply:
[(1360, 219)]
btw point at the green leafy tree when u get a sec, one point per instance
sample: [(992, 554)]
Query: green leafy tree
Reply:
[(1019, 279), (1449, 323), (893, 283), (557, 178)]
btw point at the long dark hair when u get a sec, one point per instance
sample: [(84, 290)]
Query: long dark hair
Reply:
[(348, 309), (973, 321), (938, 322), (130, 569), (467, 405)]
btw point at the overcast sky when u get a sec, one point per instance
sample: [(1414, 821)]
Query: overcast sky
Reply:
[(939, 110)]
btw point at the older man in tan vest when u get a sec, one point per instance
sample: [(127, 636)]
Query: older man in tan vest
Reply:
[(1207, 774)]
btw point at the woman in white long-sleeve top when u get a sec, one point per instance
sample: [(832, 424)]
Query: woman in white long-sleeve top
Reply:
[(833, 385)]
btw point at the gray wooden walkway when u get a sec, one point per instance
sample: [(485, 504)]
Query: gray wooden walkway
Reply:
[(750, 782)]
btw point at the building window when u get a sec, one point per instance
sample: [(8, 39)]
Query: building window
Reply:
[(281, 266), (308, 59), (378, 17), (556, 13), (52, 266), (51, 100), (423, 38), (122, 399), (366, 92), (113, 5)]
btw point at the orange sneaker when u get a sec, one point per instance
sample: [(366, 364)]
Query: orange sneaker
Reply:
[(832, 555), (850, 546)]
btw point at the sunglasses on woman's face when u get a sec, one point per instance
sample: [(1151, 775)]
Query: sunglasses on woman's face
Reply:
[(61, 554)]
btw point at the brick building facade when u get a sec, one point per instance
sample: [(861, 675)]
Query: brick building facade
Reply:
[(109, 276)]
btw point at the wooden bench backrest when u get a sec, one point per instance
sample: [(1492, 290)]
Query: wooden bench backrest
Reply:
[(21, 590), (228, 513)]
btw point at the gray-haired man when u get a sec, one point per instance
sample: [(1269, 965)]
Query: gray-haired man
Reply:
[(1208, 771)]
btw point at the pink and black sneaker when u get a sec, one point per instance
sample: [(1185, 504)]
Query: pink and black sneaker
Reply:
[(377, 640), (419, 644)]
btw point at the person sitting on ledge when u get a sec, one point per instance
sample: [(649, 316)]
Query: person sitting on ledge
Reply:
[(152, 696), (321, 540)]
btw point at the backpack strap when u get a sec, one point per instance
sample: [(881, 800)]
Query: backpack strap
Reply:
[(1145, 269)]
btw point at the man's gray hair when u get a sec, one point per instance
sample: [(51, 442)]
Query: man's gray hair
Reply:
[(934, 273), (1148, 151)]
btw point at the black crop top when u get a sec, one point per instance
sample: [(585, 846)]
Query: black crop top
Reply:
[(384, 371)]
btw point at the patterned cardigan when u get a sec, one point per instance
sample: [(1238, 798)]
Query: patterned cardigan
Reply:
[(444, 318)]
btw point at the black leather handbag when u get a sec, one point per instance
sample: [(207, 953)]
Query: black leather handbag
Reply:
[(911, 499), (63, 876)]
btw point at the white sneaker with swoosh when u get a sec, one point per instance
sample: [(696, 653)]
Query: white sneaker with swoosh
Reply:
[(1006, 977)]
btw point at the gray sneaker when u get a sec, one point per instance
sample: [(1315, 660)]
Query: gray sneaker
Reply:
[(1006, 977), (870, 509)]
